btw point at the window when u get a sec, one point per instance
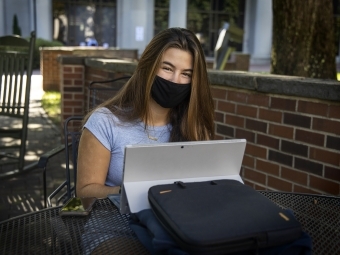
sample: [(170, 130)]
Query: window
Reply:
[(207, 17), (85, 22)]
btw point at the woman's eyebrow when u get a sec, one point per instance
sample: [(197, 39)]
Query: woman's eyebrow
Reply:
[(168, 63)]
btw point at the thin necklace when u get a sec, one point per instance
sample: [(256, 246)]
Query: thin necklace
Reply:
[(154, 138)]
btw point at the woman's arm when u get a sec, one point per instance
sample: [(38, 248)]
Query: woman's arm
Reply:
[(93, 165)]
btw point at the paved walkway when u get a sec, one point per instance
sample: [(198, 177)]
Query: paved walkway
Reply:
[(24, 193)]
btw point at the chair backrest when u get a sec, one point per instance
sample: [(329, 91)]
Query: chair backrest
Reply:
[(16, 64), (99, 91)]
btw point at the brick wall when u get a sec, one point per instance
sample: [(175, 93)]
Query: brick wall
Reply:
[(72, 91), (292, 125), (293, 144), (49, 67)]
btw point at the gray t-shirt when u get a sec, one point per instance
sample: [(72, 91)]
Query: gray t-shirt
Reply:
[(114, 135)]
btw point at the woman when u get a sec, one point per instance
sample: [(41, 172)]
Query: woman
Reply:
[(167, 99)]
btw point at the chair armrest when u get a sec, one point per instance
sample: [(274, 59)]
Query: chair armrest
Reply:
[(46, 156)]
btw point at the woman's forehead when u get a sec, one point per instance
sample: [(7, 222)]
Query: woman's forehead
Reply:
[(179, 58)]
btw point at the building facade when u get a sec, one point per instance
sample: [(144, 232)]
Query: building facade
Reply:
[(131, 24)]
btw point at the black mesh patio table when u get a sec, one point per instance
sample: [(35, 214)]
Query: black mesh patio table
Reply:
[(45, 232)]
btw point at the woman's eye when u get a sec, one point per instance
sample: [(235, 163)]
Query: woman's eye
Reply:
[(187, 75), (167, 68)]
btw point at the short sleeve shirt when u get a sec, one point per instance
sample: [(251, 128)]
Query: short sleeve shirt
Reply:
[(114, 135)]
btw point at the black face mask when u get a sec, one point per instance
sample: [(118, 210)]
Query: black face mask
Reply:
[(169, 94)]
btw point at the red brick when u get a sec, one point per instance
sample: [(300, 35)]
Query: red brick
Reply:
[(78, 111), (283, 104), (73, 89), (267, 167), (72, 76), (67, 110), (73, 103), (329, 157), (332, 173), (281, 131), (279, 184), (246, 111), (245, 134), (67, 69), (268, 141), (334, 111), (78, 82), (67, 82), (237, 96), (79, 69), (270, 115), (297, 120), (294, 176), (324, 185), (79, 97), (67, 96), (225, 130), (248, 161), (256, 151), (312, 108), (256, 125), (255, 176), (234, 120), (310, 137), (218, 93), (326, 125), (219, 117), (258, 99), (226, 106)]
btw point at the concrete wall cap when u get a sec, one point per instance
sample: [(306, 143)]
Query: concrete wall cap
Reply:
[(264, 83)]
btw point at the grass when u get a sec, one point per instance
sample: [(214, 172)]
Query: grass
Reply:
[(52, 105)]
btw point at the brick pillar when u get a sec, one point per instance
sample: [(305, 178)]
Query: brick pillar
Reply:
[(72, 91)]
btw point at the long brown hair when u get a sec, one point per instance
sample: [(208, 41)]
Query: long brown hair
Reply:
[(193, 119)]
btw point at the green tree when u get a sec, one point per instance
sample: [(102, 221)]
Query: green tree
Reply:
[(16, 29), (303, 39)]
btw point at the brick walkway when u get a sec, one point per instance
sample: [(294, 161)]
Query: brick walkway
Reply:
[(24, 193)]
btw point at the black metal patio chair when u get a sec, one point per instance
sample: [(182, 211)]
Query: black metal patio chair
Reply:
[(16, 63), (99, 91)]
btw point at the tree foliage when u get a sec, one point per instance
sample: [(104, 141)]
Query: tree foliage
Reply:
[(16, 30), (303, 39)]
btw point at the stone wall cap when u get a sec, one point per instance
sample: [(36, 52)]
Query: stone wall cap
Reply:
[(278, 84), (116, 65), (264, 83)]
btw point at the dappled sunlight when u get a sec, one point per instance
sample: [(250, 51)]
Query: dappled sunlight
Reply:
[(31, 157), (36, 85), (35, 126), (24, 193), (23, 203), (7, 140)]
